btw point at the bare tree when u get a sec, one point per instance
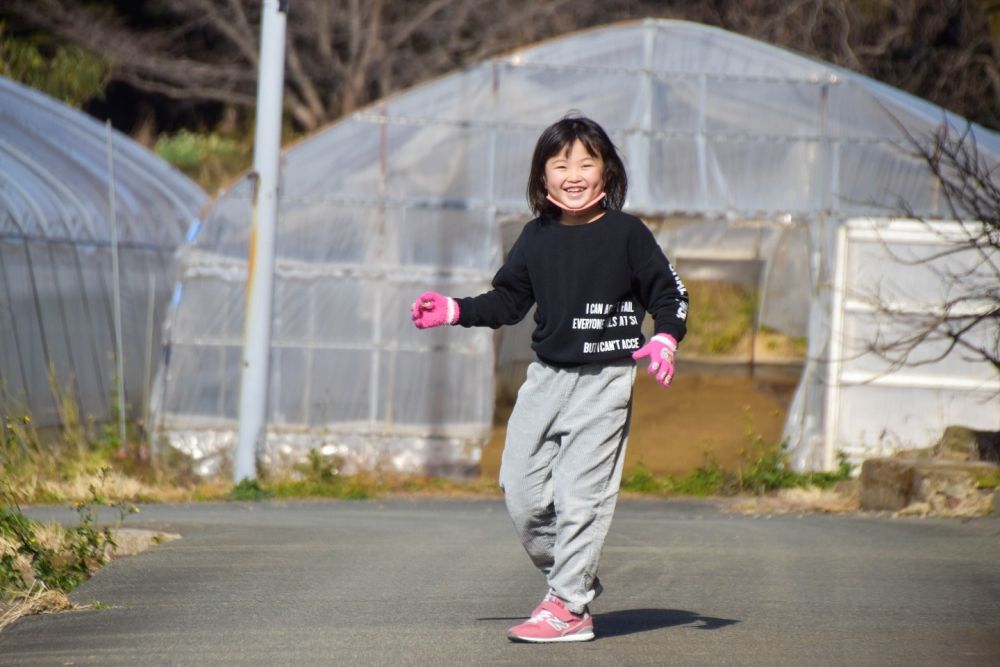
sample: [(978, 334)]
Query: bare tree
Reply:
[(946, 51), (341, 53), (345, 53), (965, 319)]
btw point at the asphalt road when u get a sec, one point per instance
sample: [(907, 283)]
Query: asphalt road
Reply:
[(438, 583)]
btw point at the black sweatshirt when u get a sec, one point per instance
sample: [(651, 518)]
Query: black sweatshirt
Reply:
[(593, 284)]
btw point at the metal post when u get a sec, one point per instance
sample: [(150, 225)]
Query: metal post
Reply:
[(117, 294), (147, 366), (260, 265)]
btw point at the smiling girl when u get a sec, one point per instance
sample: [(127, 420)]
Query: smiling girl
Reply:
[(593, 272)]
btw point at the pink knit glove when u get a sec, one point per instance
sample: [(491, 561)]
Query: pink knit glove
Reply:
[(660, 349), (434, 310)]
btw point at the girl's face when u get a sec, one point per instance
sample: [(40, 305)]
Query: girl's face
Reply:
[(574, 178)]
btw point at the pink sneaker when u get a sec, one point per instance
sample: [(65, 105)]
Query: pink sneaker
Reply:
[(549, 597), (553, 622)]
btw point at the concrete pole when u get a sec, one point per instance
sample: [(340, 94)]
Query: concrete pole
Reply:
[(260, 266), (116, 292)]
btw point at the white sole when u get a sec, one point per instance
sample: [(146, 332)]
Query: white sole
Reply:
[(578, 637)]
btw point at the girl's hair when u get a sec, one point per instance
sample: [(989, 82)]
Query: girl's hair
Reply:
[(555, 139)]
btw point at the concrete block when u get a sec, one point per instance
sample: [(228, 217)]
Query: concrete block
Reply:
[(966, 444), (886, 484)]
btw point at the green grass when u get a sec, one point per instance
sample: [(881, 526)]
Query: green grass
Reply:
[(210, 159), (988, 482), (722, 315), (765, 469), (707, 480), (250, 490)]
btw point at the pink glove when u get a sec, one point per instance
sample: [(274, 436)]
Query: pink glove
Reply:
[(434, 310), (660, 349)]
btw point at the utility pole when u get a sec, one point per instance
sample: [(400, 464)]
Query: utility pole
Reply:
[(260, 265)]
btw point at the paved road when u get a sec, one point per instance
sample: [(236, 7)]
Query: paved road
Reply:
[(438, 582)]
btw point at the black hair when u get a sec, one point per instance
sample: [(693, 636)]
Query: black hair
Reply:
[(555, 139)]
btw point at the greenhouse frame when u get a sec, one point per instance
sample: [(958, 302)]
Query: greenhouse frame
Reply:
[(739, 153), (57, 201)]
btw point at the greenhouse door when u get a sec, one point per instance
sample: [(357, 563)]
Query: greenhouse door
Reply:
[(890, 278)]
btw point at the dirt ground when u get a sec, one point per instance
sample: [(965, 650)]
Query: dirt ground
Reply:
[(674, 430)]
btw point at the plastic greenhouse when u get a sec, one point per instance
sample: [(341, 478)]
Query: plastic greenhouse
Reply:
[(56, 279), (740, 155)]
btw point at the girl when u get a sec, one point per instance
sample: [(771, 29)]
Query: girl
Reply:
[(593, 272)]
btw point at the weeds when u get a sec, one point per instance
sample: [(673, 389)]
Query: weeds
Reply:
[(36, 558), (78, 449), (316, 477), (706, 480), (767, 469), (249, 489), (641, 480), (18, 439), (319, 476), (58, 464)]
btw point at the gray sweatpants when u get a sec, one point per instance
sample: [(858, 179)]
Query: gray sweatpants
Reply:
[(562, 466)]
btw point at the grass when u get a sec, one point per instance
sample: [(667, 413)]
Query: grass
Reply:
[(62, 464), (319, 476), (722, 316), (210, 159), (988, 482), (67, 466), (40, 563), (763, 468), (766, 474)]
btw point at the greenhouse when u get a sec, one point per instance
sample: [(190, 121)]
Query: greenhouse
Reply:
[(748, 161), (57, 323)]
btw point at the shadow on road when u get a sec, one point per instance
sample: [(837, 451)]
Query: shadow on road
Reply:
[(630, 621)]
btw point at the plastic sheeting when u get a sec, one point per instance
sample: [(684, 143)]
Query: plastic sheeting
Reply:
[(55, 256), (769, 150)]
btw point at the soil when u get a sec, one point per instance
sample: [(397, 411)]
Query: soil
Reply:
[(677, 429)]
